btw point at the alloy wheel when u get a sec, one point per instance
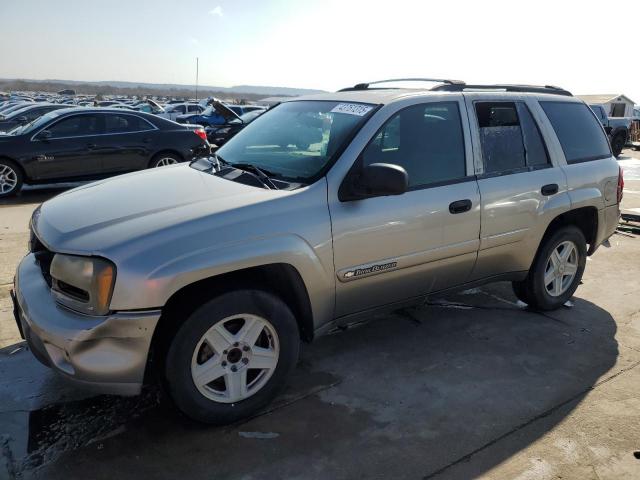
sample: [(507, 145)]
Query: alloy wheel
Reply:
[(561, 268), (8, 179), (163, 162), (235, 358)]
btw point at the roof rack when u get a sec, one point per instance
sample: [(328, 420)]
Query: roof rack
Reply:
[(365, 86), (457, 87)]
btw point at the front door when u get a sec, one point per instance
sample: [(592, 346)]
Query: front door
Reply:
[(70, 150), (394, 248)]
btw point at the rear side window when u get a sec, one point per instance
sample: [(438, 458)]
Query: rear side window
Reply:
[(510, 138), (426, 140), (125, 124), (580, 134)]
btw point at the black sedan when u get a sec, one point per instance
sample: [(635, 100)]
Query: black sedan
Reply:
[(90, 143), (26, 114)]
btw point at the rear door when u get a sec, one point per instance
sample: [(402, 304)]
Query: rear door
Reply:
[(393, 248), (126, 144), (521, 187), (70, 150)]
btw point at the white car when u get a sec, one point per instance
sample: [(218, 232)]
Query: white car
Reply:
[(172, 111)]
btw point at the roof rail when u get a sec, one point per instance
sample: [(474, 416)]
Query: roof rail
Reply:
[(365, 86), (503, 88)]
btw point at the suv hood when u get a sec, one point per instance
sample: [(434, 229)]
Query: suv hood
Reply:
[(112, 213)]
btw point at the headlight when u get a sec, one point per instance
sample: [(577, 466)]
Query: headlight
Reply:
[(84, 284)]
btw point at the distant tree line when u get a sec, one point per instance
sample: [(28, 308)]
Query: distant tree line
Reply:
[(102, 90)]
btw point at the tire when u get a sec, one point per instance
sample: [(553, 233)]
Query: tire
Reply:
[(225, 320), (543, 295), (617, 144), (520, 291), (164, 159), (11, 178)]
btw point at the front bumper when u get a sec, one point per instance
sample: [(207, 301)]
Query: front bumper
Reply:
[(107, 354)]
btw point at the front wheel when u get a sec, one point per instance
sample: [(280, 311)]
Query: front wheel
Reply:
[(557, 270), (10, 178), (232, 356)]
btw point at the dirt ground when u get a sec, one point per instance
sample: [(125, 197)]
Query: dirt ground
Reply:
[(470, 386)]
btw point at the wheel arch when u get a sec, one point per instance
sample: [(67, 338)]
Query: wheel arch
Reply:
[(25, 176), (584, 218), (280, 279)]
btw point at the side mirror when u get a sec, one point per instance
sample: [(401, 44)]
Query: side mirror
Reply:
[(376, 180), (22, 119), (44, 135)]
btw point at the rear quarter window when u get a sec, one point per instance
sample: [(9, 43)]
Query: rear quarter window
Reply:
[(580, 134)]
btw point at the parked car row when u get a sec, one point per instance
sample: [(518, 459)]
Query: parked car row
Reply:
[(59, 140), (82, 143)]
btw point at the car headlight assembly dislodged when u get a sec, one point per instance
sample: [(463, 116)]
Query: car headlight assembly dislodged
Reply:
[(83, 284)]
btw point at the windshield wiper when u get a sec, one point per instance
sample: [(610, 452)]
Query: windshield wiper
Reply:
[(263, 175)]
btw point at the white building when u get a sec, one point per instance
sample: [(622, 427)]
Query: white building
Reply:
[(616, 105)]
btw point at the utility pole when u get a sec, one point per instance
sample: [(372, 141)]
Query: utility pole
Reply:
[(197, 61)]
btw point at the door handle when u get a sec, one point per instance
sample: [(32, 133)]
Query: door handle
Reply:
[(460, 206), (549, 190), (91, 146)]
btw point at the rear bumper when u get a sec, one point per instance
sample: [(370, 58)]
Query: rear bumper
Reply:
[(608, 219), (107, 354)]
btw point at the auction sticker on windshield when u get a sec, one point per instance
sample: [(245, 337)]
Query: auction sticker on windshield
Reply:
[(352, 109)]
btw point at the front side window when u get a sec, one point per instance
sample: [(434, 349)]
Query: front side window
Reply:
[(509, 137), (296, 140), (426, 140), (76, 126), (580, 134)]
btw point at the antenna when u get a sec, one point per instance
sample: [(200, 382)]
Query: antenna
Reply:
[(197, 62)]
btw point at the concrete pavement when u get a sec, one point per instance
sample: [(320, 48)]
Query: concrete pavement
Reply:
[(469, 386)]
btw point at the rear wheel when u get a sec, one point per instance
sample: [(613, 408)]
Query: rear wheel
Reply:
[(232, 356), (617, 144), (10, 178), (164, 159), (557, 270)]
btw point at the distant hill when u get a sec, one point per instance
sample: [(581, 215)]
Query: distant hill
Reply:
[(253, 90)]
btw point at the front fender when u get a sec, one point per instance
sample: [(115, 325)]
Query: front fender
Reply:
[(155, 288)]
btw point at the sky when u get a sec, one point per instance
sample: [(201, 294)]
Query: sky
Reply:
[(583, 46)]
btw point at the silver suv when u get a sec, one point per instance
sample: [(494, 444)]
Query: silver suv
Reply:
[(318, 213)]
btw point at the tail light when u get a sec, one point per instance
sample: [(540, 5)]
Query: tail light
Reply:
[(620, 184), (201, 133)]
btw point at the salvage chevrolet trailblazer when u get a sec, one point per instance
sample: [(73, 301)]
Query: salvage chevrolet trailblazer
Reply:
[(321, 211)]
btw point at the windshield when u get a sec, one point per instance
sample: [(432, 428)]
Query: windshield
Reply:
[(296, 140), (29, 127)]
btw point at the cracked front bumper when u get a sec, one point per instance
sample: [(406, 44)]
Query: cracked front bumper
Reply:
[(107, 354)]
